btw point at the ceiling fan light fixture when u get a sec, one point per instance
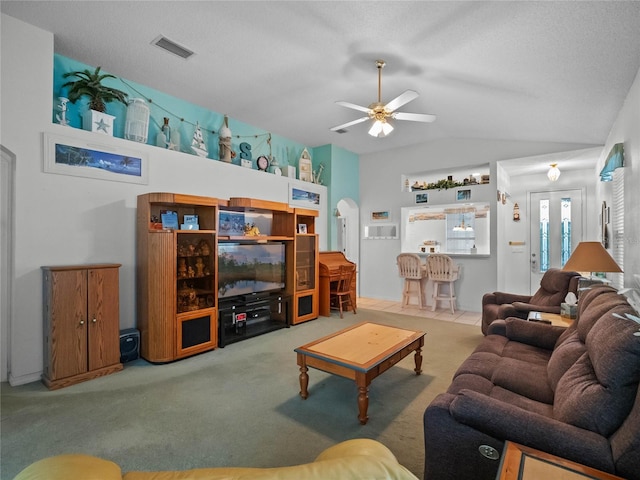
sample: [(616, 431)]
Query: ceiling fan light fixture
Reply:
[(380, 129), (554, 172), (380, 112)]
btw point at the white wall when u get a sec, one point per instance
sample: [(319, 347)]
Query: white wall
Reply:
[(626, 129), (71, 220), (380, 189), (516, 259)]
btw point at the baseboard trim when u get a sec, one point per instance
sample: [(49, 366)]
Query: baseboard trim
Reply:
[(24, 379)]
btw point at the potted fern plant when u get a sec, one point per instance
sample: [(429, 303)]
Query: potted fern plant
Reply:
[(88, 83)]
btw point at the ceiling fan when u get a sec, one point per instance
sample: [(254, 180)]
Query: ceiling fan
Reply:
[(380, 113)]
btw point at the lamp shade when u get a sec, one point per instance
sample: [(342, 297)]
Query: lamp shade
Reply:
[(591, 257)]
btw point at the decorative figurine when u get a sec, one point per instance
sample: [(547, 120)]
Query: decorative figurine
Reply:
[(199, 267), (251, 230), (226, 154), (305, 167), (62, 117), (204, 248), (182, 268), (197, 143), (317, 175)]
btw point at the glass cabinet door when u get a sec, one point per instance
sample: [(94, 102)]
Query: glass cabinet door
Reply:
[(195, 271), (305, 262)]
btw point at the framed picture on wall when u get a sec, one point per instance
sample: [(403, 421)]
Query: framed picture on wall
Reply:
[(71, 156), (422, 198), (463, 195), (303, 197), (380, 216)]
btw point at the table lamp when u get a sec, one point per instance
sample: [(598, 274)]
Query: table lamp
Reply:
[(591, 257)]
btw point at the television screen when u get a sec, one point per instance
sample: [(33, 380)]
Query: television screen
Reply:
[(250, 268)]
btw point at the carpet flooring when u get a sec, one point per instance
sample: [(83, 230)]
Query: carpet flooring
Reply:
[(234, 406)]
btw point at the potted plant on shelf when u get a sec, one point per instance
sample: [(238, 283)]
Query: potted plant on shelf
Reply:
[(90, 84)]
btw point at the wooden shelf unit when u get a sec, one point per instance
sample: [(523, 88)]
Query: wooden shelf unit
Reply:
[(306, 281), (172, 324), (176, 278)]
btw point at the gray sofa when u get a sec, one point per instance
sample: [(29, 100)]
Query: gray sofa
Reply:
[(572, 392)]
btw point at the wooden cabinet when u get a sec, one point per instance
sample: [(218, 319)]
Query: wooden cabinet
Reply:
[(306, 280), (176, 277), (81, 323)]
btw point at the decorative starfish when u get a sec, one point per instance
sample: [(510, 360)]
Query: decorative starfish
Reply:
[(101, 125)]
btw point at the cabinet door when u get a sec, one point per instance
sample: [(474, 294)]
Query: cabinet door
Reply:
[(103, 317), (306, 262), (66, 302)]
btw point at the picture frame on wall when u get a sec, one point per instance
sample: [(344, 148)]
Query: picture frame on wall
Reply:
[(303, 197), (72, 156), (380, 216), (422, 198), (463, 195)]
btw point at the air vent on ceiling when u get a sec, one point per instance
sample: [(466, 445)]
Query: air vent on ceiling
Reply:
[(172, 47)]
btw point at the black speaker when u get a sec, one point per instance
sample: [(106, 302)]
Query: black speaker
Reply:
[(129, 344)]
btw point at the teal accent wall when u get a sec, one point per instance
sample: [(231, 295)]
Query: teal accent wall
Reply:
[(285, 151), (341, 168), (341, 175)]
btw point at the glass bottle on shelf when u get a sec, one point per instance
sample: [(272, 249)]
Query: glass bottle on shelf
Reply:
[(164, 135)]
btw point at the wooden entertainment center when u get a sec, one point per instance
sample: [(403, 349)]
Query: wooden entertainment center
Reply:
[(179, 312)]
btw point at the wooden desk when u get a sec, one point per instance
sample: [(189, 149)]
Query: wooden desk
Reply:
[(524, 463), (329, 271)]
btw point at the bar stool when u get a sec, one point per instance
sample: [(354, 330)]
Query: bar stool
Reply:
[(411, 268), (441, 270)]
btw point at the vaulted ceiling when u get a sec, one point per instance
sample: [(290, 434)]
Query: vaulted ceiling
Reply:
[(546, 71)]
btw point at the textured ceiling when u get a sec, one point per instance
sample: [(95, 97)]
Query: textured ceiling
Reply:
[(534, 71)]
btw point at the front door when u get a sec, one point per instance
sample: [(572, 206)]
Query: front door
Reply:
[(555, 230)]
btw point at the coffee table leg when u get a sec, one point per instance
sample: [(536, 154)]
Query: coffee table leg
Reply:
[(418, 358), (304, 378), (363, 404)]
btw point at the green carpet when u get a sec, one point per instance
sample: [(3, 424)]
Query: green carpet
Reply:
[(234, 406)]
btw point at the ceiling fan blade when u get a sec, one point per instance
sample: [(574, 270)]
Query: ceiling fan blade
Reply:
[(348, 124), (414, 117), (354, 106), (401, 100)]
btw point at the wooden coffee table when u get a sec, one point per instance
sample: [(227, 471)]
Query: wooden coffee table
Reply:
[(361, 353)]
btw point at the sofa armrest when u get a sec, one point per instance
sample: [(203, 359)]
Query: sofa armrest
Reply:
[(497, 327), (357, 446), (66, 467), (533, 333), (503, 297), (505, 421), (529, 307)]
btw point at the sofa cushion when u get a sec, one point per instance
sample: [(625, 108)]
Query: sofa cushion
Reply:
[(598, 390), (566, 353), (523, 378), (593, 304)]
